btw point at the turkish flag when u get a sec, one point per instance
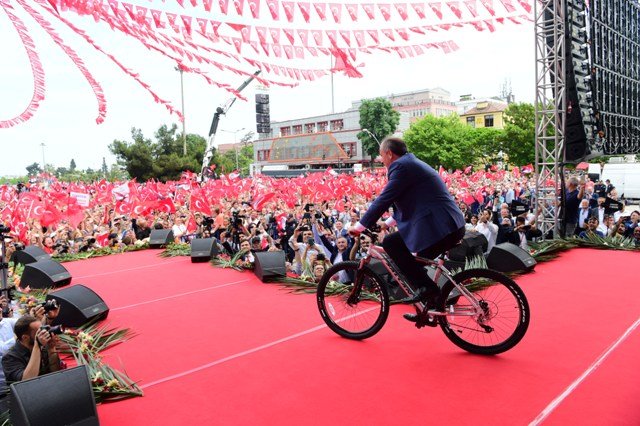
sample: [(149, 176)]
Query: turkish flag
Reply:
[(261, 200), (123, 208), (200, 204), (166, 205)]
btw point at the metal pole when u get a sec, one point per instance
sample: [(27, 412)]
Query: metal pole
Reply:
[(235, 146), (184, 119), (333, 109), (43, 163)]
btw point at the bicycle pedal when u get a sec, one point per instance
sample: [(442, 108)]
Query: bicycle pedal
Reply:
[(427, 322)]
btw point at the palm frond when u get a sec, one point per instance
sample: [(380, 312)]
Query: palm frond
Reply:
[(176, 249)]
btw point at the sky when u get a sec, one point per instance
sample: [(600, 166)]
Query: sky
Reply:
[(65, 122)]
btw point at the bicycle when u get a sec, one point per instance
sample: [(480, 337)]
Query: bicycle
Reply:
[(480, 310)]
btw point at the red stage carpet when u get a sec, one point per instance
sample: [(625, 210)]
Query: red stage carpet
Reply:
[(215, 346)]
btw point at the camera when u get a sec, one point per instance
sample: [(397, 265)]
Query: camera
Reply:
[(311, 241), (50, 305), (306, 215), (320, 256), (53, 330), (4, 229), (318, 215)]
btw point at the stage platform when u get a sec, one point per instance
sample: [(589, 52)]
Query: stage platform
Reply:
[(217, 346)]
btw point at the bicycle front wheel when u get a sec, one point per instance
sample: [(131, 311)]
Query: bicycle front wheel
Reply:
[(353, 302), (503, 321)]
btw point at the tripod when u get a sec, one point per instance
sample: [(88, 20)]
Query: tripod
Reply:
[(4, 265)]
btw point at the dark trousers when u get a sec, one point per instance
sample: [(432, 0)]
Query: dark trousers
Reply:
[(409, 266)]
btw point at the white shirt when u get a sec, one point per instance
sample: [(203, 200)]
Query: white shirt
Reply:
[(7, 340), (490, 231), (583, 214)]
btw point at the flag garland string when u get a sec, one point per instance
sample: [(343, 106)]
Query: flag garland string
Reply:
[(241, 38)]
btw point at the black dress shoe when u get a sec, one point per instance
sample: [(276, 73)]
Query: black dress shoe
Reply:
[(421, 320)]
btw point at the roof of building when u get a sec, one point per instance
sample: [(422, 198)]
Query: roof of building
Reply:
[(224, 147), (486, 107)]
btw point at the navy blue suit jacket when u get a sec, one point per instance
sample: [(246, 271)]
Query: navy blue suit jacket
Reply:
[(422, 205)]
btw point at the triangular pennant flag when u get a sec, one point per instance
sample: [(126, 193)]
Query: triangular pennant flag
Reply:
[(254, 7), (402, 32), (508, 5), (289, 33), (385, 10), (374, 35), (369, 10), (202, 23), (262, 34), (401, 8), (359, 36), (312, 50), (332, 35), (239, 5), (275, 35), (317, 36), (472, 5), (419, 8), (304, 36), (437, 9), (305, 10), (346, 36), (455, 8), (352, 10), (488, 4), (389, 33), (288, 10), (288, 51), (321, 10), (274, 9), (224, 6), (336, 11)]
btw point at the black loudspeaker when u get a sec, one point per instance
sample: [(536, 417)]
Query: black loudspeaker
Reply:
[(507, 257), (269, 265), (160, 237), (473, 244), (45, 274), (61, 398), (203, 249), (78, 305), (29, 254)]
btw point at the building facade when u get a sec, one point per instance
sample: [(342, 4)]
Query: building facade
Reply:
[(331, 139), (485, 113)]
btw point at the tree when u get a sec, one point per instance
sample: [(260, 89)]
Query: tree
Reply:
[(33, 169), (487, 144), (441, 141), (72, 166), (518, 137), (378, 117), (144, 159)]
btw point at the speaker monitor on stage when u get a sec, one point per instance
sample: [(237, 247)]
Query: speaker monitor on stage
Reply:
[(473, 244), (160, 237), (203, 249), (61, 398), (29, 254), (45, 274), (78, 306), (269, 265), (507, 257)]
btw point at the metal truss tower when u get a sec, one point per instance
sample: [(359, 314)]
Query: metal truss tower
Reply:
[(550, 108)]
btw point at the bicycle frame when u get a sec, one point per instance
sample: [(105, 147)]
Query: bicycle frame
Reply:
[(378, 253)]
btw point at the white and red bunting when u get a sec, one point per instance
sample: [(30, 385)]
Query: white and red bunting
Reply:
[(274, 9), (385, 10), (305, 10), (321, 10), (401, 8), (288, 7), (336, 12)]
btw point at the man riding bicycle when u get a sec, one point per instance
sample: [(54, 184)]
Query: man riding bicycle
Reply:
[(429, 221)]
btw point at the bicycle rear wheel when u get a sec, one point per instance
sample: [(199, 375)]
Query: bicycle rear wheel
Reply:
[(356, 308), (504, 321)]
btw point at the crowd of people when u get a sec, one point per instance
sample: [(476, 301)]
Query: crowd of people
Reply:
[(307, 217)]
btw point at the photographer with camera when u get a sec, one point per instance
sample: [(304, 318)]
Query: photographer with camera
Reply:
[(34, 352)]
